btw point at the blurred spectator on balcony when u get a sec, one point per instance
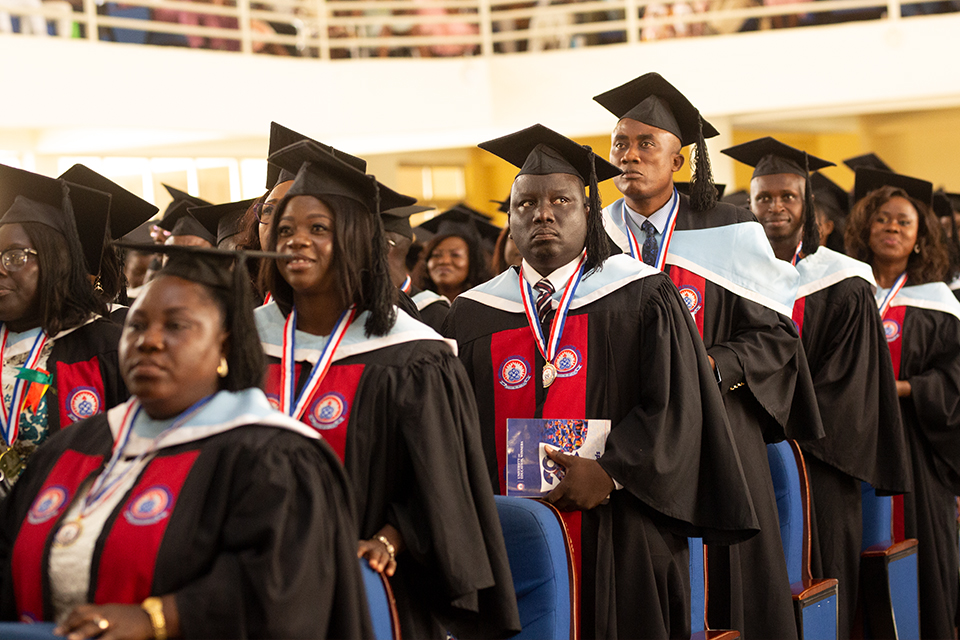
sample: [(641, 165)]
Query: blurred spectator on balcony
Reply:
[(33, 24), (446, 28), (679, 28), (195, 18)]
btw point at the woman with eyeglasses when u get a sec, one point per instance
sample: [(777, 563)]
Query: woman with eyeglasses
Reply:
[(893, 229), (390, 396), (194, 510), (57, 347)]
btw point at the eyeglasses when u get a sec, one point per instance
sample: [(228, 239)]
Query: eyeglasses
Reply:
[(264, 211), (15, 259)]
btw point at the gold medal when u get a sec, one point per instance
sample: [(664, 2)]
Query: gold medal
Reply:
[(68, 533), (11, 464), (549, 374)]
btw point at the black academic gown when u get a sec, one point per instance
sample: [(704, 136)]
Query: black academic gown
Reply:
[(856, 391), (433, 307), (633, 358), (86, 374), (769, 396), (259, 541), (929, 359), (399, 411)]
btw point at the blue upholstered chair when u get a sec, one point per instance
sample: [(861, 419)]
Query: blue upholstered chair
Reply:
[(383, 609), (21, 631), (889, 595), (814, 601), (540, 561), (698, 598), (120, 34)]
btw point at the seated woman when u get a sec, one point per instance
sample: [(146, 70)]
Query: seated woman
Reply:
[(893, 229), (194, 509), (59, 351), (389, 395)]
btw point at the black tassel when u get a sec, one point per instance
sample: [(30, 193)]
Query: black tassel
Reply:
[(811, 231), (703, 195)]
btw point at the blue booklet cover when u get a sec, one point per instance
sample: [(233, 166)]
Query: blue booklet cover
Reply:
[(530, 473)]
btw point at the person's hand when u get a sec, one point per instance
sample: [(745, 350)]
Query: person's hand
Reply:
[(904, 389), (378, 554), (106, 622), (585, 484), (713, 363), (159, 235)]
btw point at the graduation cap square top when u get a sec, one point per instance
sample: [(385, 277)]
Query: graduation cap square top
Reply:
[(539, 150), (320, 173), (222, 221), (769, 156), (397, 220), (281, 136), (829, 193), (868, 180), (75, 211), (127, 211), (179, 222), (652, 100), (464, 221), (178, 197), (867, 161)]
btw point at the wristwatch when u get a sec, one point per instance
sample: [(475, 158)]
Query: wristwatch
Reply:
[(154, 608)]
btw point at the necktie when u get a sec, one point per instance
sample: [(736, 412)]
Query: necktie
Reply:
[(650, 246), (544, 291)]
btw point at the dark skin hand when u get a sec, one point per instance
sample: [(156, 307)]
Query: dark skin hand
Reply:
[(585, 484), (127, 621), (903, 389), (376, 552)]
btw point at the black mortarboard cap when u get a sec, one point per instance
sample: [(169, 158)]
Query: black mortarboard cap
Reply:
[(77, 212), (503, 206), (867, 161), (397, 220), (941, 205), (539, 151), (320, 173), (281, 136), (684, 188), (739, 198), (769, 156), (127, 211), (179, 222), (829, 193), (140, 235), (463, 221), (222, 220), (868, 180), (652, 100), (182, 196)]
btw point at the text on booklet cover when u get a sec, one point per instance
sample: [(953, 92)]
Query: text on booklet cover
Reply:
[(530, 473)]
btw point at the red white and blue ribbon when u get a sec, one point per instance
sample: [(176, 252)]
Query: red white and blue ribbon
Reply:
[(10, 416), (295, 406), (635, 246), (548, 347), (104, 487), (894, 290), (407, 285), (796, 254)]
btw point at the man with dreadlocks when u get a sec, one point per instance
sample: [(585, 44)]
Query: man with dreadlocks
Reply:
[(846, 349), (741, 298), (576, 334)]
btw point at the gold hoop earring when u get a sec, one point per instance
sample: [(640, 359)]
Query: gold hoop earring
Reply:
[(916, 248), (223, 368)]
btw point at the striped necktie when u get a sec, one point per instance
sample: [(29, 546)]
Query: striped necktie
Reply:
[(650, 246), (544, 291)]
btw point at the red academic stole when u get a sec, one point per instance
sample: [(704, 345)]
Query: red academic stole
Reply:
[(692, 290), (328, 410), (125, 572), (79, 390), (514, 357), (29, 549), (893, 330), (798, 307)]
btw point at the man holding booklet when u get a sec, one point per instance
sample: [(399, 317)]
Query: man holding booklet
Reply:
[(575, 345)]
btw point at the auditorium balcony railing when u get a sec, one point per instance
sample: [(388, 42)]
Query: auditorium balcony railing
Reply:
[(340, 29)]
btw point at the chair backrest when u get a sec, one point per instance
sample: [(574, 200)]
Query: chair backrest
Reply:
[(383, 608), (539, 555), (790, 487), (698, 590), (28, 631), (877, 517)]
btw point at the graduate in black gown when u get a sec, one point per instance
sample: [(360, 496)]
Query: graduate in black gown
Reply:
[(893, 229), (194, 509), (388, 393), (843, 338), (59, 351), (741, 298), (626, 351)]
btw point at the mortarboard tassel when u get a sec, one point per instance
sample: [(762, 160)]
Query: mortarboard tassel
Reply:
[(811, 232), (703, 195)]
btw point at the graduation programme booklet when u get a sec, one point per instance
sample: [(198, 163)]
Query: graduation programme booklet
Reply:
[(530, 473)]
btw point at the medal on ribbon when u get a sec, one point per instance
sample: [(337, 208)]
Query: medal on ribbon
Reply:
[(295, 406), (894, 290), (796, 254), (635, 246), (548, 347), (27, 377), (407, 285)]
